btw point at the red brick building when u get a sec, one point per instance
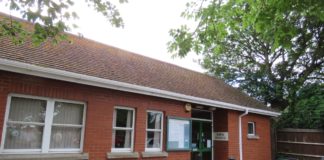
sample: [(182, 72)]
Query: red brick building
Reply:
[(87, 100)]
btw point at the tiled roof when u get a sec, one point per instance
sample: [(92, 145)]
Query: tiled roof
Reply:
[(91, 58)]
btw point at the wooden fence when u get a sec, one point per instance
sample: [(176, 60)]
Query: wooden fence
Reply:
[(301, 144)]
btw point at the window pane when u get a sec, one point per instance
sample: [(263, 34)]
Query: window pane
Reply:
[(20, 136), (65, 137), (201, 114), (122, 139), (124, 118), (154, 120), (250, 128), (68, 113), (27, 110), (153, 139)]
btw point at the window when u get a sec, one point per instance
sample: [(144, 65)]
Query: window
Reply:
[(201, 114), (123, 129), (251, 128), (35, 124), (154, 133)]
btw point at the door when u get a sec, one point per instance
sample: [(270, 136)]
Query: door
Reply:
[(201, 140)]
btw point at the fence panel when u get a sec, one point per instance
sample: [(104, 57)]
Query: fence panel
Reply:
[(302, 144)]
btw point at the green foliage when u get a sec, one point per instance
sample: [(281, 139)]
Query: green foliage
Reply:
[(14, 30), (51, 19), (308, 112), (270, 48)]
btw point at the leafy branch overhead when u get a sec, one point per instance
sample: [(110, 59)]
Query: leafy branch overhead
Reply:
[(270, 48), (51, 18)]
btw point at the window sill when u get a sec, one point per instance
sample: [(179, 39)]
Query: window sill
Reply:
[(118, 155), (46, 156), (253, 137), (154, 154)]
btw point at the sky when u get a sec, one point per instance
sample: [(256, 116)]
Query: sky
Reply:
[(146, 31)]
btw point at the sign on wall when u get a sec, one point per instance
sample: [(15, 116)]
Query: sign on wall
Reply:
[(220, 136), (179, 134)]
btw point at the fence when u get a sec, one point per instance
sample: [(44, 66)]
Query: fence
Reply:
[(302, 144)]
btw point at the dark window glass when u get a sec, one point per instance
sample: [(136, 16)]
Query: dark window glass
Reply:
[(124, 118), (201, 114), (251, 128), (153, 139), (122, 139), (154, 120)]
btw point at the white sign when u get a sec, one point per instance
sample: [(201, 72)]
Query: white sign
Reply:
[(220, 136)]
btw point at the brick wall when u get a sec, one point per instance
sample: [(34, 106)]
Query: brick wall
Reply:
[(99, 115), (253, 149), (100, 103)]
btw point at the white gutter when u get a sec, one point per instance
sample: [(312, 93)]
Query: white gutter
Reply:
[(29, 69), (240, 133)]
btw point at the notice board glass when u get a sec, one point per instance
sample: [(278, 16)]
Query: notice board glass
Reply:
[(178, 134)]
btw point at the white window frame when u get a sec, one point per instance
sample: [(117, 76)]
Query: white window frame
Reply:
[(132, 129), (253, 129), (48, 123), (154, 130)]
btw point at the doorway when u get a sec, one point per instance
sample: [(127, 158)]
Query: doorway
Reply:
[(201, 138)]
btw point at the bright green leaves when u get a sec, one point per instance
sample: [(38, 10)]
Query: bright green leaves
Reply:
[(13, 29), (108, 10), (183, 41), (269, 48), (51, 19)]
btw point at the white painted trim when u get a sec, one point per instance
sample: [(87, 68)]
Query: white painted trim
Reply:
[(198, 119), (155, 130), (26, 123), (121, 150), (65, 150), (21, 151), (47, 130), (67, 125), (45, 148), (45, 98), (83, 126), (124, 128), (4, 129), (29, 69)]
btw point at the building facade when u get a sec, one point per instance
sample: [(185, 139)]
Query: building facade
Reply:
[(91, 101)]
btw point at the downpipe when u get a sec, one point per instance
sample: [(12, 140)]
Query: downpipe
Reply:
[(240, 133)]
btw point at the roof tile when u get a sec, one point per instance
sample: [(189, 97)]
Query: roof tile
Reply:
[(91, 58)]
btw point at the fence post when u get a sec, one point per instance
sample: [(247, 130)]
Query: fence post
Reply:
[(273, 140)]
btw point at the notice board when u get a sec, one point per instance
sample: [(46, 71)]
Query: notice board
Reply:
[(178, 134)]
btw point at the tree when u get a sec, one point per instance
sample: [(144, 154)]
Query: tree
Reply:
[(269, 48), (308, 111), (50, 18)]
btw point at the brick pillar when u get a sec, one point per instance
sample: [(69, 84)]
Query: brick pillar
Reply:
[(220, 125)]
